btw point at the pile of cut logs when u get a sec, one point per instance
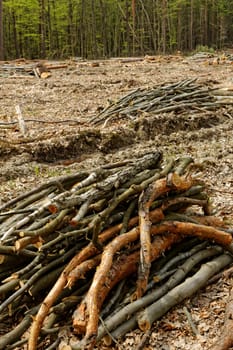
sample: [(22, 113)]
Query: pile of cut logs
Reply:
[(182, 96), (76, 244), (22, 67)]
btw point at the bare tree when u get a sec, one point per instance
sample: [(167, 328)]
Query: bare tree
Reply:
[(1, 31), (164, 25), (42, 28)]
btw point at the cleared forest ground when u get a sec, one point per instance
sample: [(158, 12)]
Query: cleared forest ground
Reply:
[(59, 139)]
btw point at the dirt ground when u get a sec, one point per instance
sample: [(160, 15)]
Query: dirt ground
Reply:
[(60, 140)]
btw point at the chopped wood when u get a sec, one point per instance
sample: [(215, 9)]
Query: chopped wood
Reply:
[(84, 234), (202, 231), (31, 68), (55, 66)]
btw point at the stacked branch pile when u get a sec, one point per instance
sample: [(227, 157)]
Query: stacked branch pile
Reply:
[(113, 248), (181, 96)]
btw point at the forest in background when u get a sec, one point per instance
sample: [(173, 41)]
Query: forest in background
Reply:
[(111, 28)]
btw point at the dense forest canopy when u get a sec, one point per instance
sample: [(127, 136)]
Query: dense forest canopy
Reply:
[(107, 28)]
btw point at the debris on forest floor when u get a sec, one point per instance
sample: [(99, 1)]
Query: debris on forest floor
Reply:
[(225, 341), (163, 58), (76, 244)]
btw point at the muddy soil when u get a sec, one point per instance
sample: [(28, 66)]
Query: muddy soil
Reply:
[(59, 140)]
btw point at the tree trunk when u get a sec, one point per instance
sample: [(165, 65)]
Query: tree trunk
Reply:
[(191, 26), (42, 29), (1, 32), (70, 31), (164, 25)]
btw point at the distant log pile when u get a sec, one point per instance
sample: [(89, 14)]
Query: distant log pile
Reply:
[(212, 59), (185, 95), (75, 245), (23, 67)]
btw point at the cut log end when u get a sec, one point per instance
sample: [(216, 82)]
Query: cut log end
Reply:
[(144, 324), (80, 319)]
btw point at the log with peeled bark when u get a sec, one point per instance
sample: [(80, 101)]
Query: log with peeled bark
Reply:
[(156, 189)]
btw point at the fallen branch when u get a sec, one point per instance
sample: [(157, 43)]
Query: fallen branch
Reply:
[(202, 231)]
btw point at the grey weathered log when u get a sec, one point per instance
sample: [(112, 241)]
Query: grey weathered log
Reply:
[(184, 290), (18, 330)]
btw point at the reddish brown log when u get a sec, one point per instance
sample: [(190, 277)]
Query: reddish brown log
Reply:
[(190, 229), (92, 300), (155, 190), (43, 312), (90, 250), (80, 271), (55, 66)]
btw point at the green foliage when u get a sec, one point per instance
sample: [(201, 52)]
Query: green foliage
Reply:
[(101, 28), (204, 48)]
